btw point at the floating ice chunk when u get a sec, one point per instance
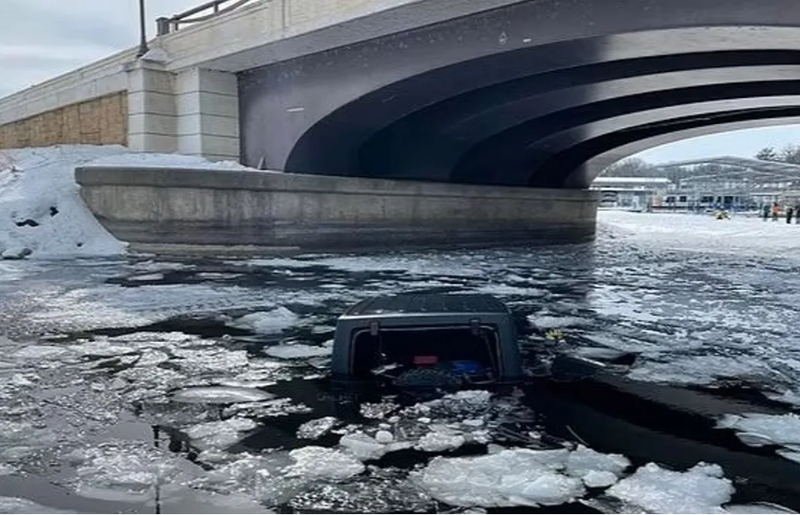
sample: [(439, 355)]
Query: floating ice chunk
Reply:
[(323, 463), (314, 429), (101, 348), (213, 360), (384, 437), (557, 322), (19, 505), (697, 370), (701, 489), (363, 446), (220, 395), (442, 440), (780, 429), (267, 322), (148, 277), (583, 461), (40, 352), (519, 477), (467, 401), (599, 479), (377, 410), (152, 358), (754, 439), (220, 434), (757, 507), (21, 380), (789, 397), (296, 351), (382, 491), (128, 471)]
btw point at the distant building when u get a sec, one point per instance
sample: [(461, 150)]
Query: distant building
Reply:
[(631, 192), (732, 183)]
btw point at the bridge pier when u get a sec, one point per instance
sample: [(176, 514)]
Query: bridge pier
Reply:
[(194, 112), (227, 211)]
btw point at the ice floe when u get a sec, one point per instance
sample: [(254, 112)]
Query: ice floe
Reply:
[(220, 395), (267, 322), (759, 429), (520, 477), (296, 351), (701, 489), (316, 428), (220, 434)]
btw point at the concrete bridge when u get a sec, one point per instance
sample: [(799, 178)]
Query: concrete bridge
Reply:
[(536, 93)]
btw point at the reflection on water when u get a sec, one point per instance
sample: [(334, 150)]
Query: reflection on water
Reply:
[(143, 385)]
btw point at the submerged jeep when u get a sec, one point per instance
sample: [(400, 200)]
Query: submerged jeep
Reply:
[(427, 340)]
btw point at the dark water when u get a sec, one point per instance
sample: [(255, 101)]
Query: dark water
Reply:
[(95, 350)]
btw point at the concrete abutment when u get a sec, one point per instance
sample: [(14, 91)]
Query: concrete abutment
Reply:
[(234, 211)]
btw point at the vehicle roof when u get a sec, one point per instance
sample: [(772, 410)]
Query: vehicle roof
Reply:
[(428, 303)]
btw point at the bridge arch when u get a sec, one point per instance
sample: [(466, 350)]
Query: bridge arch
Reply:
[(542, 77)]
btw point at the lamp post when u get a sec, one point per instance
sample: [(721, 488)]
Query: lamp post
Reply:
[(142, 31)]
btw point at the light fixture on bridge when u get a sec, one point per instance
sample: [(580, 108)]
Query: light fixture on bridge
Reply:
[(142, 31)]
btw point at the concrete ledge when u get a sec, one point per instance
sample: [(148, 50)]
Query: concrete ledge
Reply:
[(190, 210)]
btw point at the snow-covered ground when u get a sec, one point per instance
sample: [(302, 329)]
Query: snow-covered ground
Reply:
[(225, 359), (41, 212)]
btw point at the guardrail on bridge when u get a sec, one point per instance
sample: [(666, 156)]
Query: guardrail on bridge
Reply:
[(200, 14)]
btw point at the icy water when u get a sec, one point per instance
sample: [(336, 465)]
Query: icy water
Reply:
[(140, 385)]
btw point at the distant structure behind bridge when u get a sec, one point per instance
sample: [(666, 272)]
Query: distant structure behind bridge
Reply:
[(733, 183)]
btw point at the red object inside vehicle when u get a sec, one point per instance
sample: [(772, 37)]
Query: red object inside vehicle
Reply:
[(426, 360)]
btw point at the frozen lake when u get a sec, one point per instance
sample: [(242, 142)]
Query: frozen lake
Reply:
[(136, 384)]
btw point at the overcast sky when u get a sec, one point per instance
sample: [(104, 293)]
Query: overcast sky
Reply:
[(40, 39)]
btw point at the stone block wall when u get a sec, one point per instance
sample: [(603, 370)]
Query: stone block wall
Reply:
[(99, 121)]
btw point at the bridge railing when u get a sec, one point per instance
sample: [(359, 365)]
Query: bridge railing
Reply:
[(200, 14)]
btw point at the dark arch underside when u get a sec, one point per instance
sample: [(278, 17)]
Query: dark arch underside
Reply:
[(543, 115)]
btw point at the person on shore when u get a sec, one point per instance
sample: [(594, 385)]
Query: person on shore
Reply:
[(776, 211), (789, 213), (765, 212)]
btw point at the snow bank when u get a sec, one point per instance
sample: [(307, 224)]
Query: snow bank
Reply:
[(41, 211), (41, 208), (163, 160), (701, 489), (519, 477)]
